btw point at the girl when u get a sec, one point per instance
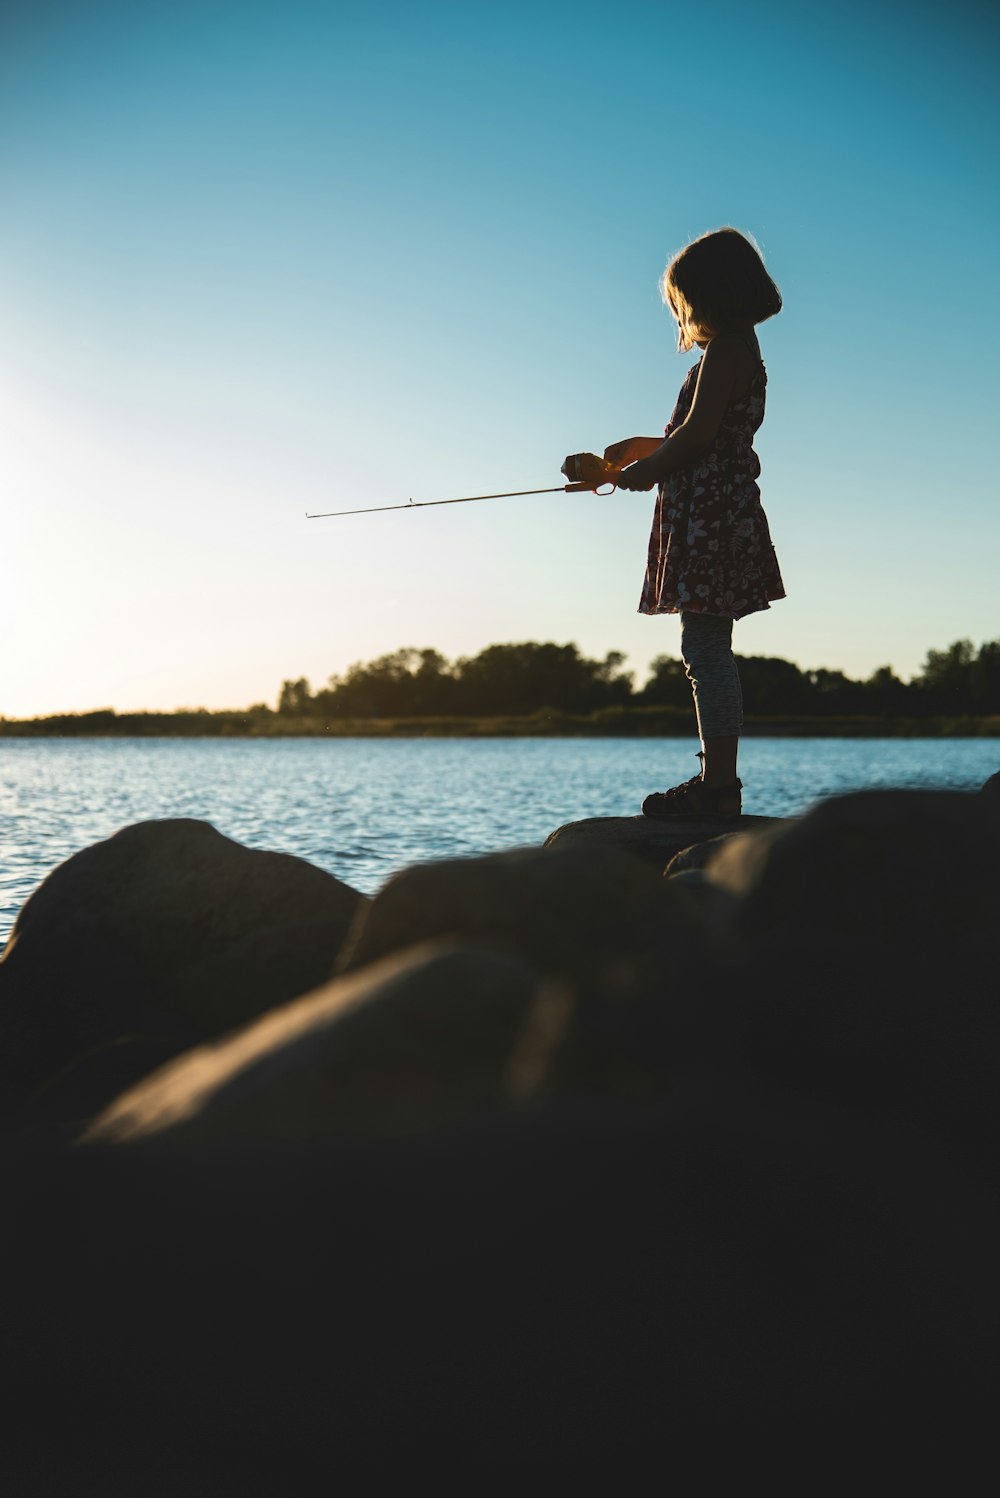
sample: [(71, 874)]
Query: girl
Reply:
[(710, 553)]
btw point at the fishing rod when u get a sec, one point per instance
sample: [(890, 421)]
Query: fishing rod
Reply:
[(589, 471)]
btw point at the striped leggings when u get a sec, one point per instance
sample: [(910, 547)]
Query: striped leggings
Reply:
[(707, 653)]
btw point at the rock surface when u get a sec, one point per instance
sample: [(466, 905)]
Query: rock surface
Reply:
[(656, 841), (869, 931), (405, 1043), (729, 1273), (626, 949), (165, 930), (699, 855), (583, 912), (884, 866)]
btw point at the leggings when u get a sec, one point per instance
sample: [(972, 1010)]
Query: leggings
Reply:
[(707, 653)]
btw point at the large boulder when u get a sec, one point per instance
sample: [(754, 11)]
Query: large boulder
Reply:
[(655, 839), (869, 931), (728, 1275), (646, 983), (168, 929), (579, 911), (409, 1042), (878, 868)]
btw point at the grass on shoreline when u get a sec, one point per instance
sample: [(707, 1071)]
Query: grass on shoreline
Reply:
[(616, 722)]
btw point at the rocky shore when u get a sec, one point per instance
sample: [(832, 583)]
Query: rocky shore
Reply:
[(663, 1148)]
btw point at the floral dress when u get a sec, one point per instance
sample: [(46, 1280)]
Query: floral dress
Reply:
[(710, 548)]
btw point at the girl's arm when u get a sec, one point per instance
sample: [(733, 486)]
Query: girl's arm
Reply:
[(724, 362), (631, 450), (581, 466)]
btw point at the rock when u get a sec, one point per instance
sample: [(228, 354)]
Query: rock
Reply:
[(61, 1106), (730, 1275), (165, 930), (580, 912), (699, 855), (714, 909), (992, 787), (656, 841), (411, 1041), (646, 986), (420, 1219), (876, 866), (870, 929)]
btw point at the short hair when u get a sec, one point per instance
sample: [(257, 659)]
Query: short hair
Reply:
[(717, 280)]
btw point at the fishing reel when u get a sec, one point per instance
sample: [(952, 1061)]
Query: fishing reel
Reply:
[(586, 471)]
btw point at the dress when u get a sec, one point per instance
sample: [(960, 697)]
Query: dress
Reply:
[(710, 549)]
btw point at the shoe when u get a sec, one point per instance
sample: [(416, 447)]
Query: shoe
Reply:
[(695, 799)]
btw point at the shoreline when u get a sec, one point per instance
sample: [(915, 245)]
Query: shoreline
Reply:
[(609, 723)]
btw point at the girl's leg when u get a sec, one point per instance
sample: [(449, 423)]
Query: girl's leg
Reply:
[(707, 652)]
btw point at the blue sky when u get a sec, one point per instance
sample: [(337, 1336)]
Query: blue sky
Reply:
[(264, 258)]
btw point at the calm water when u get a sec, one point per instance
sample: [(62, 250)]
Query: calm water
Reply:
[(362, 808)]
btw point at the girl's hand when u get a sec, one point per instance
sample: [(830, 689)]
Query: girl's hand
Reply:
[(587, 468), (632, 450), (636, 476)]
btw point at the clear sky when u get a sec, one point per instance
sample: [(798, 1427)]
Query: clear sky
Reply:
[(259, 257)]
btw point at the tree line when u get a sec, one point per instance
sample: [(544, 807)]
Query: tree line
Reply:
[(521, 679)]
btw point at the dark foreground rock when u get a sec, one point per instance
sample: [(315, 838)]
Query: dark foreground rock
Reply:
[(886, 868), (541, 1300), (405, 1044), (699, 855), (868, 932), (168, 932), (638, 979), (558, 1185), (592, 913)]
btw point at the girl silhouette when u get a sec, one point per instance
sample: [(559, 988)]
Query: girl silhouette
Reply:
[(710, 554)]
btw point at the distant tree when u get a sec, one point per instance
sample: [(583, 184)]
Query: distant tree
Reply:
[(525, 678), (295, 700), (668, 685), (405, 683), (371, 689), (986, 679), (613, 687), (434, 685), (831, 693), (772, 685), (946, 681), (884, 694)]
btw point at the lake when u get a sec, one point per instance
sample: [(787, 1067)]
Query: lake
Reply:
[(362, 808)]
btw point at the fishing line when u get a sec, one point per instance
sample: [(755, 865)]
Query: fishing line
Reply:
[(594, 472)]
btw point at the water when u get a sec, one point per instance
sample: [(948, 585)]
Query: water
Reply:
[(362, 808)]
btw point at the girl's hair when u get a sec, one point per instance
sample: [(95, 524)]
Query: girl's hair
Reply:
[(717, 280)]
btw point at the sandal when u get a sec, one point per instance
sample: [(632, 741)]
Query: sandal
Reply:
[(695, 799)]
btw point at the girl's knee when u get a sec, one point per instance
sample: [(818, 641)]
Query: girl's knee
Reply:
[(706, 643)]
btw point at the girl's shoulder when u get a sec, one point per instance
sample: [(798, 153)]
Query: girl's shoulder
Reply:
[(733, 360)]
